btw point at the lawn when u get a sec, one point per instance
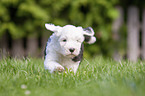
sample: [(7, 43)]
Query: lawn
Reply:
[(95, 77)]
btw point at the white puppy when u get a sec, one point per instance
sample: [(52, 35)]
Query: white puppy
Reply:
[(64, 49)]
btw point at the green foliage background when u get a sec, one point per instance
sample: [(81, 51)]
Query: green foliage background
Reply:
[(26, 18)]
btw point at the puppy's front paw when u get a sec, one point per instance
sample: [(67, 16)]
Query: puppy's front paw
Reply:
[(59, 69)]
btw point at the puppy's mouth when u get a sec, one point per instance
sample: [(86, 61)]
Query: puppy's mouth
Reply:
[(71, 55)]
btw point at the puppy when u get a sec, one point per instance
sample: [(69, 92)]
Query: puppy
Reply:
[(64, 49)]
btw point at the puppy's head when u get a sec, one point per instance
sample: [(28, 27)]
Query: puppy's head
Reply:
[(70, 38)]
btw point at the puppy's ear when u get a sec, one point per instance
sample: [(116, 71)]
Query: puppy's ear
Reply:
[(53, 28), (88, 34), (88, 31)]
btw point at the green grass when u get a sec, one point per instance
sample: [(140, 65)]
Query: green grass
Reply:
[(96, 77)]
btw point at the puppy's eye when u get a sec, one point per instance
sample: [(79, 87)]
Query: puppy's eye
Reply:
[(64, 40), (78, 40)]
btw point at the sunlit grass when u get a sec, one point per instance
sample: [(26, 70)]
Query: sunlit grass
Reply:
[(98, 76)]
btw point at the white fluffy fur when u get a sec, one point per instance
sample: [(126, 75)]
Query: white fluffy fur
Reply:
[(58, 56)]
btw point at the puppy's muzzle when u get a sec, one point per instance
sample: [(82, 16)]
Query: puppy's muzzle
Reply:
[(72, 50)]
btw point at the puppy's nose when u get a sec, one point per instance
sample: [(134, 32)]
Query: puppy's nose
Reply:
[(72, 50)]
